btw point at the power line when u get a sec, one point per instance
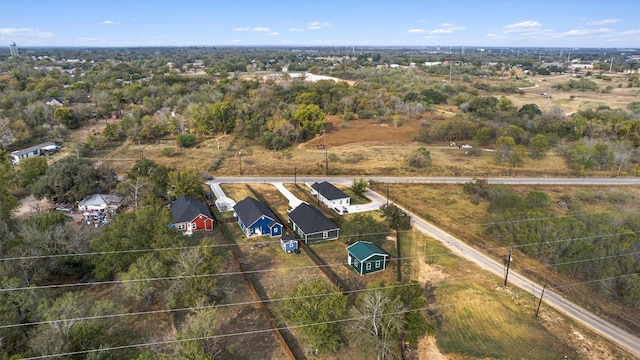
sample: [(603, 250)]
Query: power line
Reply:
[(172, 248), (286, 298), (182, 277), (290, 327)]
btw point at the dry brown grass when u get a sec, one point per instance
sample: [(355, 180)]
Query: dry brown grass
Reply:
[(447, 206)]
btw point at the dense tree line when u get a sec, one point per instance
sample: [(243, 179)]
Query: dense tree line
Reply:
[(598, 246)]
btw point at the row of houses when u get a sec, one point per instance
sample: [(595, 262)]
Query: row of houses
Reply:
[(307, 223)]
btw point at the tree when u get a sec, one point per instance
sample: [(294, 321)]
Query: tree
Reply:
[(202, 326), (144, 228), (66, 117), (311, 118), (185, 140), (359, 187), (362, 227), (63, 332), (70, 179), (504, 149), (530, 110), (8, 202), (315, 306), (184, 182), (395, 217), (419, 158), (539, 146), (378, 324)]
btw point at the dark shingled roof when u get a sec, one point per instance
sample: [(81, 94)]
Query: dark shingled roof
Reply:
[(329, 191), (249, 210), (311, 220), (185, 209)]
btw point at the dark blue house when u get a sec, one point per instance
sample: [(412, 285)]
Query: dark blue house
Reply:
[(255, 218)]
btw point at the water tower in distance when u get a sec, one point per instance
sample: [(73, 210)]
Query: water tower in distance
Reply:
[(13, 48)]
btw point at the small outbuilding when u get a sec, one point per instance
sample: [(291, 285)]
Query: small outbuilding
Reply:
[(289, 244), (366, 258)]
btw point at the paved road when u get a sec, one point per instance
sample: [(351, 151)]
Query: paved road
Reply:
[(588, 319), (434, 180), (568, 308)]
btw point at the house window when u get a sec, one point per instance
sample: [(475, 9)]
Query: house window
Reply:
[(193, 225), (356, 263), (368, 266), (377, 264), (325, 235), (181, 226)]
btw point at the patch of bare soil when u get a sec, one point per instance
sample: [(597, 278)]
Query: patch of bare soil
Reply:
[(368, 132), (428, 349), (30, 206)]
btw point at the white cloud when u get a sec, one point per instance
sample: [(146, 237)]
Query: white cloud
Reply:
[(604, 22), (235, 41), (256, 29), (522, 26), (26, 32), (296, 29), (275, 33), (316, 25), (447, 29), (416, 31), (108, 22)]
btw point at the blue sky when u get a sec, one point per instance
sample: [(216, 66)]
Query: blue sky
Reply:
[(506, 23)]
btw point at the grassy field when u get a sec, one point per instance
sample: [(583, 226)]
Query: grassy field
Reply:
[(477, 317)]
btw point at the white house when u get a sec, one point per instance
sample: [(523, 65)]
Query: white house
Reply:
[(331, 196), (36, 150), (99, 202)]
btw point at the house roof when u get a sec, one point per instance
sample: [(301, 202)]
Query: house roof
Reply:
[(99, 200), (32, 148), (250, 210), (286, 238), (362, 250), (311, 220), (329, 191), (186, 208)]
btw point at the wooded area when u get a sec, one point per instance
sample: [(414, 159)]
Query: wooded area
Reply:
[(66, 285)]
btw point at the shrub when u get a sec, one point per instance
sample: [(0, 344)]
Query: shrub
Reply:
[(185, 140)]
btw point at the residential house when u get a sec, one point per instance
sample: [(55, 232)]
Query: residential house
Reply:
[(311, 225), (99, 202), (54, 101), (36, 150), (256, 219), (289, 243), (331, 196), (366, 258), (190, 215)]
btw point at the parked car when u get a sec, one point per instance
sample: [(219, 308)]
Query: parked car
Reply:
[(64, 208), (466, 146)]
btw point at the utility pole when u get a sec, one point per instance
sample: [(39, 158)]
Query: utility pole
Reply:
[(388, 194), (507, 263), (295, 175), (540, 303), (240, 156), (326, 162), (398, 252)]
